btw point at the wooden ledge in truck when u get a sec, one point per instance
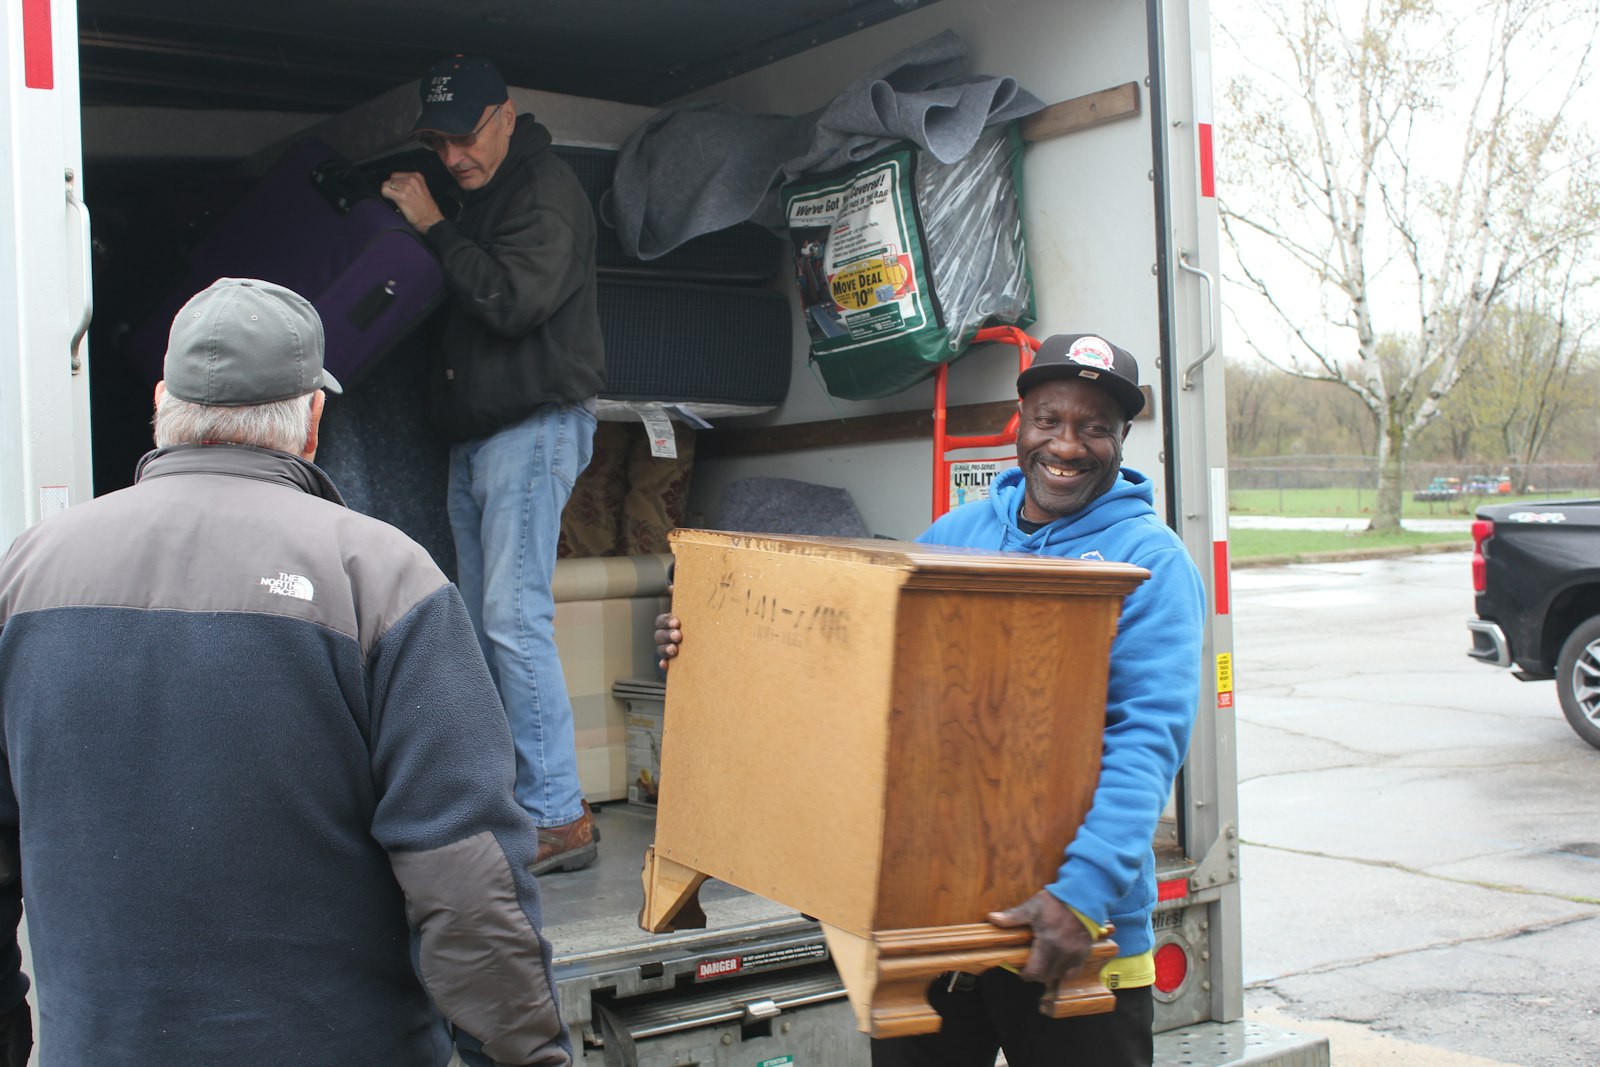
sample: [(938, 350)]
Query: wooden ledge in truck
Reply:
[(895, 739)]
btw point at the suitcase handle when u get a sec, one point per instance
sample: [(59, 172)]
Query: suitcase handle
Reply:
[(364, 312), (343, 186)]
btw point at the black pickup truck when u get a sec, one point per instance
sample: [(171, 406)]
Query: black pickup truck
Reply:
[(1536, 573)]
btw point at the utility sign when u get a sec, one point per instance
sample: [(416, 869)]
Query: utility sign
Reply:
[(970, 479)]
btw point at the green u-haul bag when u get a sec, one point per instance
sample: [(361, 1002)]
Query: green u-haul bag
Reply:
[(901, 259)]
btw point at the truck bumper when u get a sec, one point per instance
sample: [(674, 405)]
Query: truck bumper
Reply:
[(1240, 1044), (1489, 643)]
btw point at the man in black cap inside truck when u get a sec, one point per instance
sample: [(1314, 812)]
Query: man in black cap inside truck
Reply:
[(518, 362)]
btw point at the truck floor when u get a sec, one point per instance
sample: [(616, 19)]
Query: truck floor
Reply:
[(596, 910)]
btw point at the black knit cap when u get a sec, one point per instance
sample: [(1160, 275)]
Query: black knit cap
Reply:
[(1092, 358)]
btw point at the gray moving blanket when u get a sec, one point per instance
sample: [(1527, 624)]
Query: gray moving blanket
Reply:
[(702, 167)]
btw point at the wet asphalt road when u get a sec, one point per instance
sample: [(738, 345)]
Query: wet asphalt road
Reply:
[(1422, 861)]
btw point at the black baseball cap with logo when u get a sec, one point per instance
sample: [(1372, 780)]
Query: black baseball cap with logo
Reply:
[(455, 91), (1092, 358)]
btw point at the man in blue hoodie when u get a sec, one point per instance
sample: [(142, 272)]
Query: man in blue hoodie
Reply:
[(1070, 496)]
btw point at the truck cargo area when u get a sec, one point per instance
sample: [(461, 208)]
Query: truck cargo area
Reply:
[(165, 110), (756, 982)]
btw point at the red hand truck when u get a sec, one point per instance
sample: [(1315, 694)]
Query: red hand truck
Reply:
[(943, 442)]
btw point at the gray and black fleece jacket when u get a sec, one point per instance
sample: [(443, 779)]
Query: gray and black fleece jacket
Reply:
[(523, 325), (257, 785)]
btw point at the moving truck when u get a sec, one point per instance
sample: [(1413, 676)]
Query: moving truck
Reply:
[(108, 96)]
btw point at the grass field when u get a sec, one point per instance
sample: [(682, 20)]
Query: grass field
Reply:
[(1358, 503), (1349, 504), (1251, 544)]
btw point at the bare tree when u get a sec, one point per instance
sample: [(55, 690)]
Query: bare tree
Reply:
[(1525, 375), (1409, 169), (1271, 413)]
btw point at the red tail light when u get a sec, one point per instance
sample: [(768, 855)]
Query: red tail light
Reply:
[(1482, 530), (1172, 967)]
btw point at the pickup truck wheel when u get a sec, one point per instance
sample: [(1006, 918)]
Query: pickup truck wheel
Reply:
[(1578, 680)]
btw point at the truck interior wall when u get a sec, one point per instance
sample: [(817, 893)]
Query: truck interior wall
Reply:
[(1088, 204), (187, 136), (384, 123), (134, 160), (143, 165), (1089, 218)]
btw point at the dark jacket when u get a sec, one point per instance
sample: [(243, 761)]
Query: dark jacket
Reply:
[(259, 768), (521, 329)]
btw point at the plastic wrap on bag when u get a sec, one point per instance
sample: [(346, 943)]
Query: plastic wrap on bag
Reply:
[(901, 259), (972, 216)]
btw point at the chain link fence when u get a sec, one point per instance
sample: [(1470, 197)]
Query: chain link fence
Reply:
[(1361, 474)]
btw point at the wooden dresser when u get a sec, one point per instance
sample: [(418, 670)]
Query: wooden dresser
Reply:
[(894, 739)]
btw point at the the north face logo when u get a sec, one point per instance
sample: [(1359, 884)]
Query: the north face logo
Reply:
[(295, 585)]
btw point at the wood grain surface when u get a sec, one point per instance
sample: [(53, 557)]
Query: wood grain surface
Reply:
[(999, 704), (888, 737)]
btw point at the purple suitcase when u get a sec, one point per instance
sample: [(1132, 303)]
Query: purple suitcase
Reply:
[(368, 273)]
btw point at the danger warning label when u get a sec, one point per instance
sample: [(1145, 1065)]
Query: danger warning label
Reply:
[(764, 960)]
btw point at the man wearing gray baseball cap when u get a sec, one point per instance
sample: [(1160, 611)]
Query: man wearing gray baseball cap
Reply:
[(256, 770), (242, 359)]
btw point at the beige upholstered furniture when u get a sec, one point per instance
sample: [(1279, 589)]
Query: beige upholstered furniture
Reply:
[(605, 622)]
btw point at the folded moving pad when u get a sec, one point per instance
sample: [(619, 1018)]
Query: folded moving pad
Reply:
[(740, 254), (304, 225), (695, 344)]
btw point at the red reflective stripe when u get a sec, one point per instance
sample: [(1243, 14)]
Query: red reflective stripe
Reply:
[(1208, 181), (38, 51), (1176, 889), (1219, 572)]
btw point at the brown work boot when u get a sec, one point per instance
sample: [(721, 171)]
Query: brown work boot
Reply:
[(569, 847)]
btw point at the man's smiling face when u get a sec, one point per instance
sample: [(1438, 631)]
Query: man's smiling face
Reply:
[(1069, 445)]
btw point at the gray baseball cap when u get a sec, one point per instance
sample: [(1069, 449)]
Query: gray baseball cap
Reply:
[(243, 341)]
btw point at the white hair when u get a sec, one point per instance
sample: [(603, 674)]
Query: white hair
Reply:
[(282, 424)]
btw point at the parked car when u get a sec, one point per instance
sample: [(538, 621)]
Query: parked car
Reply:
[(1437, 490), (1488, 485), (1536, 575)]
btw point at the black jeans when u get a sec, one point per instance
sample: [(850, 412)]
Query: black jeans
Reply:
[(1001, 1011)]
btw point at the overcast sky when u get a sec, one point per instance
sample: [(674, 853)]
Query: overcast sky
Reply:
[(1241, 42)]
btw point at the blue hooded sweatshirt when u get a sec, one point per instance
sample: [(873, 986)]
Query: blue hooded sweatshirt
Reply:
[(1151, 694)]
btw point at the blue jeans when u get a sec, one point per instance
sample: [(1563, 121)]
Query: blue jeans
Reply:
[(505, 499)]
